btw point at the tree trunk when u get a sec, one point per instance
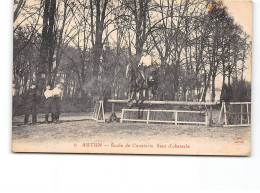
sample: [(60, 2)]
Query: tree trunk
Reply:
[(213, 94), (176, 81), (98, 45), (47, 44)]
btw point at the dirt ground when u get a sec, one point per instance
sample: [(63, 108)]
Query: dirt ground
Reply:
[(77, 133)]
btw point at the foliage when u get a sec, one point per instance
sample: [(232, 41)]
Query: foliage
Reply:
[(191, 41)]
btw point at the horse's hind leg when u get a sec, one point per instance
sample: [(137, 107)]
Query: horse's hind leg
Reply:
[(142, 95), (129, 94), (132, 95), (138, 95), (150, 93)]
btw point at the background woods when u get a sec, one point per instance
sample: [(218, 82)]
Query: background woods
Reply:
[(86, 45)]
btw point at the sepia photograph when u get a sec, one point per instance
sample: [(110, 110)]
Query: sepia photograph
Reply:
[(166, 77)]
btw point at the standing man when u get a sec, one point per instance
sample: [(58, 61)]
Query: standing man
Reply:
[(57, 102), (48, 103), (30, 99), (144, 64)]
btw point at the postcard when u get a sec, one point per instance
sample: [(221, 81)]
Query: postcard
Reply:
[(167, 77)]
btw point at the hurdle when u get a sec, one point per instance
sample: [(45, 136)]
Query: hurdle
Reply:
[(169, 102), (99, 113), (175, 114), (207, 113), (235, 114)]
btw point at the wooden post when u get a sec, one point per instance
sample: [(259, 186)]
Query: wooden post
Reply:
[(148, 116), (176, 117), (209, 116), (241, 114), (206, 119), (225, 113), (248, 117), (220, 114), (122, 116), (113, 108), (103, 111), (99, 107)]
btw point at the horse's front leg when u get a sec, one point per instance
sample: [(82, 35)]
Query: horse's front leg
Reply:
[(149, 94), (154, 96), (132, 94), (145, 93), (129, 94), (137, 95)]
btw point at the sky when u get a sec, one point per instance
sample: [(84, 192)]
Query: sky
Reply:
[(242, 11)]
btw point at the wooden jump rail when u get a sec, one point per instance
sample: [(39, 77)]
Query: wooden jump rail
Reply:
[(169, 102), (175, 116), (99, 113), (207, 122)]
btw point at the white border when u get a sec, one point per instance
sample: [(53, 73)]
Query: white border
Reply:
[(122, 173)]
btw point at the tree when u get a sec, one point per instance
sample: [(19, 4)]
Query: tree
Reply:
[(47, 44), (98, 14), (18, 5)]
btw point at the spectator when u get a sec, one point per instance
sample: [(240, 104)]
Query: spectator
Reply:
[(30, 99), (57, 102), (49, 103)]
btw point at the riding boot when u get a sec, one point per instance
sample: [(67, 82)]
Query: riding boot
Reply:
[(26, 118), (34, 114), (46, 118), (146, 82), (34, 118), (57, 117), (52, 117)]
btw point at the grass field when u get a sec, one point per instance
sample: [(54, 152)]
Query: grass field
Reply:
[(78, 134)]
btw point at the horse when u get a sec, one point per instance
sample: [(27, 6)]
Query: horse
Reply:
[(137, 87)]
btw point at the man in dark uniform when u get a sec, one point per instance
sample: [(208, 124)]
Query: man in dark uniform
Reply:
[(30, 104)]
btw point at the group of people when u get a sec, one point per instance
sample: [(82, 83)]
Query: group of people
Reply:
[(32, 99)]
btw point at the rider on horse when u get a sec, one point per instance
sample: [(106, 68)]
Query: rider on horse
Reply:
[(144, 65), (143, 79)]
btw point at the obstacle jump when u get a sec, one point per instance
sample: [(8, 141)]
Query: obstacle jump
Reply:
[(99, 114), (235, 114), (174, 116), (168, 102)]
